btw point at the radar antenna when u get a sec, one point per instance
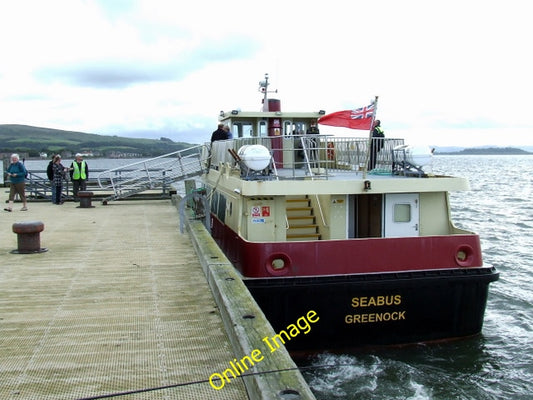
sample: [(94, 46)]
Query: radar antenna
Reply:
[(263, 88)]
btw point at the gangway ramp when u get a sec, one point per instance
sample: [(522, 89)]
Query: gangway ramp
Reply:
[(159, 172)]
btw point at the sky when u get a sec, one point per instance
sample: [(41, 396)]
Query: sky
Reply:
[(447, 73)]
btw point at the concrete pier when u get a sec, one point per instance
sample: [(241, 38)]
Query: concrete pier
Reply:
[(118, 304)]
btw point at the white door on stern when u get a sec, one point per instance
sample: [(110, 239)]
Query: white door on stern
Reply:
[(402, 216)]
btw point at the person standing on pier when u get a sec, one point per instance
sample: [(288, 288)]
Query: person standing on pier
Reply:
[(17, 175), (57, 181), (79, 173)]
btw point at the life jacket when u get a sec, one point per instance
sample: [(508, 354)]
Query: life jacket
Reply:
[(380, 131), (77, 174), (378, 136)]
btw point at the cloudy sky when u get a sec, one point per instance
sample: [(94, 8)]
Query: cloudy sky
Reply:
[(446, 72)]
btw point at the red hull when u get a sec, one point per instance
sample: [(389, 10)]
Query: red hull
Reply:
[(352, 256)]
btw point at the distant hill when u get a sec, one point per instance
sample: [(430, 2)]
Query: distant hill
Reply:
[(482, 151), (33, 141)]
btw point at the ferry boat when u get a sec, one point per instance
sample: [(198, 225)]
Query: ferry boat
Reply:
[(374, 254)]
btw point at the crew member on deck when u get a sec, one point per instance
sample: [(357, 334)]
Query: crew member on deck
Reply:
[(378, 141), (313, 129)]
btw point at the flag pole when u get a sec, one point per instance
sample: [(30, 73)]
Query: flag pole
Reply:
[(365, 168)]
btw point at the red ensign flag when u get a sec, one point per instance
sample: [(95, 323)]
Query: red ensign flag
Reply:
[(360, 118)]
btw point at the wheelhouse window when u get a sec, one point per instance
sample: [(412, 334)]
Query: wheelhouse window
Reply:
[(287, 128), (242, 129), (294, 128), (263, 129)]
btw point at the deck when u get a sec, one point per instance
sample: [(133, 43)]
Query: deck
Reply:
[(118, 303)]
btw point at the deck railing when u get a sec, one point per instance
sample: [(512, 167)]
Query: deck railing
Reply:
[(39, 187), (317, 155)]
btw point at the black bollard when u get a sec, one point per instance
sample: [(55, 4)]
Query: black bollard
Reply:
[(85, 199)]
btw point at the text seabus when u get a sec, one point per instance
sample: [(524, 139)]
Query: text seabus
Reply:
[(238, 367), (372, 303)]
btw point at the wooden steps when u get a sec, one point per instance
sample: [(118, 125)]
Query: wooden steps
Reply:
[(301, 219), (306, 236)]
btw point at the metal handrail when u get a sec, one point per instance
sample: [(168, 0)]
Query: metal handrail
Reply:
[(38, 186), (331, 153), (139, 176), (320, 210)]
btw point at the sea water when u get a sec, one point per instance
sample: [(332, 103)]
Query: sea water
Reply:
[(95, 164), (498, 364)]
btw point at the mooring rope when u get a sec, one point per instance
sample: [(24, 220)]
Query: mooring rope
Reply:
[(175, 385)]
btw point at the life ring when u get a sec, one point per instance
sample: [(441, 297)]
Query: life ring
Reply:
[(330, 151)]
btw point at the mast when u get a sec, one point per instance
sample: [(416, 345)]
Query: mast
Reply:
[(365, 169), (263, 87), (268, 104)]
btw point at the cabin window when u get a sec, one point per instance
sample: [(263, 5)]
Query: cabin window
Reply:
[(234, 129), (402, 213), (287, 128), (263, 128), (242, 129), (300, 128), (294, 128)]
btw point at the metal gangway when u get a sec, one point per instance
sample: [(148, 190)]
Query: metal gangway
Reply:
[(154, 173)]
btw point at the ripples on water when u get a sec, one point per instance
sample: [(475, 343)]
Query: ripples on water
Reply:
[(499, 363)]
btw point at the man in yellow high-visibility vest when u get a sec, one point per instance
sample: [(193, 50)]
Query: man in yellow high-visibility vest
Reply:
[(378, 141), (79, 173)]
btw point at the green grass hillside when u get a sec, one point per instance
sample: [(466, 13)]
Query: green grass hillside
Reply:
[(33, 141)]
